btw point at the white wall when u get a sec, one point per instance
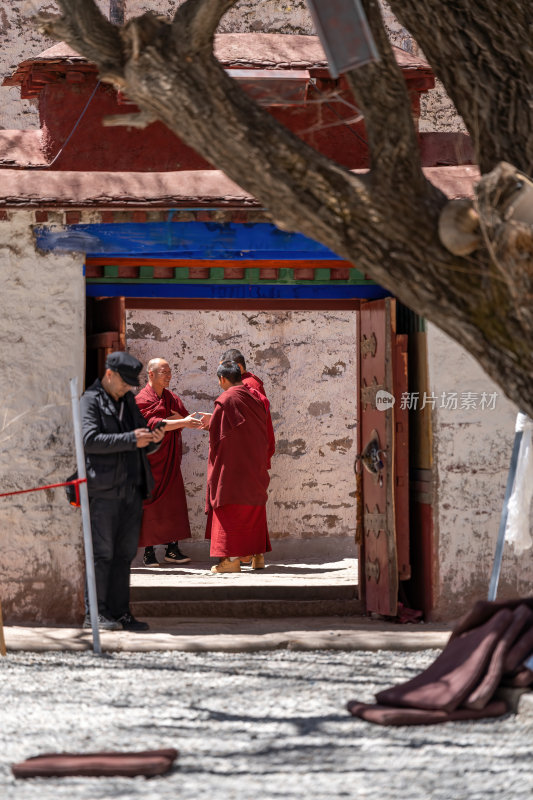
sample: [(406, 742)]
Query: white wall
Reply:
[(472, 453), (307, 360), (42, 347)]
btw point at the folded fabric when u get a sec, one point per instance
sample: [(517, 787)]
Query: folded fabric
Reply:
[(455, 673), (388, 715), (484, 610), (521, 680), (520, 651), (487, 649), (480, 696), (57, 765)]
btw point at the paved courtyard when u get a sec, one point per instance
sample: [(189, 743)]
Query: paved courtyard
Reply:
[(248, 725)]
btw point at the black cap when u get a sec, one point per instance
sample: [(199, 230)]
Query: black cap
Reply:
[(128, 367)]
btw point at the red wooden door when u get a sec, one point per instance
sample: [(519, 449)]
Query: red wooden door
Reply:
[(106, 332), (383, 460)]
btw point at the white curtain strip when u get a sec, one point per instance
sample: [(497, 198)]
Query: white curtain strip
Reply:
[(517, 530)]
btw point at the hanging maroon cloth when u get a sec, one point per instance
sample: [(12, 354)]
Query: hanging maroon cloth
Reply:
[(251, 380), (165, 514)]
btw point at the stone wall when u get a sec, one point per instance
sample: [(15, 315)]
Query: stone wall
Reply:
[(307, 360), (42, 347), (472, 451)]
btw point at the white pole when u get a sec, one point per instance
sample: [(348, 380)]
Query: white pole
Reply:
[(85, 517)]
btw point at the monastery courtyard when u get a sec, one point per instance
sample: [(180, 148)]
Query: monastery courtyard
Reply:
[(263, 725)]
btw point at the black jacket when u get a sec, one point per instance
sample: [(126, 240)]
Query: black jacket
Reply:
[(107, 440)]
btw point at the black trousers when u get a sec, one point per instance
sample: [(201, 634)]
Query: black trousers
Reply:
[(115, 527)]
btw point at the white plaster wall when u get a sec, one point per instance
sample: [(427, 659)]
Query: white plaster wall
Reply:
[(437, 112), (41, 347), (307, 361), (472, 453)]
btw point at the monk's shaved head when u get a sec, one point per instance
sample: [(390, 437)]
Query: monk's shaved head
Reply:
[(155, 364)]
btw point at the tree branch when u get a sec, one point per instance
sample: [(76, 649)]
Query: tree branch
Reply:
[(482, 51), (88, 32), (385, 223), (201, 19), (381, 93)]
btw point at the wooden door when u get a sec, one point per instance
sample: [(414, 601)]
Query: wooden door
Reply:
[(383, 460), (106, 332)]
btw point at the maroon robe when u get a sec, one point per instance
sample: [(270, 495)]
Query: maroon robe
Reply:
[(237, 475), (165, 514), (270, 428), (253, 382)]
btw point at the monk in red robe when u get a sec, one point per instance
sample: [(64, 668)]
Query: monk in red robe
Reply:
[(248, 378), (237, 473), (165, 514)]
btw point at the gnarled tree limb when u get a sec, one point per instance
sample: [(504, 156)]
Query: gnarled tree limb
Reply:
[(86, 30), (381, 92), (482, 51)]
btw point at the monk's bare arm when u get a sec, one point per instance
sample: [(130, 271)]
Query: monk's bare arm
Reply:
[(175, 423)]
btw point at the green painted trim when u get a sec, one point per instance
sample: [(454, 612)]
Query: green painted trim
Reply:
[(251, 275), (232, 281), (216, 275)]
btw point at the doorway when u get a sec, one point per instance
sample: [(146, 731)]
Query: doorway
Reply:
[(307, 358), (307, 353)]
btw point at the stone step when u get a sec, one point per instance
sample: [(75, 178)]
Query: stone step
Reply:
[(260, 608), (216, 589)]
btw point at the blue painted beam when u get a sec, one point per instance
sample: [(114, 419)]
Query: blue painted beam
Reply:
[(236, 291), (202, 240)]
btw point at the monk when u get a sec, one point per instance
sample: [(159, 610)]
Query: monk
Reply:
[(165, 514), (237, 473), (248, 378)]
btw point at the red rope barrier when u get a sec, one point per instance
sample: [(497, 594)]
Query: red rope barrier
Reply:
[(75, 483)]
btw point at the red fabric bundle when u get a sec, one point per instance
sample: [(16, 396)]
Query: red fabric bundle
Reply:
[(58, 765), (486, 650)]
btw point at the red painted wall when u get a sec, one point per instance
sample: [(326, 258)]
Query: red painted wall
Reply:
[(153, 149)]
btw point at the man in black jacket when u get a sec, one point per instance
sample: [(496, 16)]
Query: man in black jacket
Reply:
[(116, 441)]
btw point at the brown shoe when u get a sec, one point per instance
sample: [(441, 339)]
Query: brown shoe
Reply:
[(258, 561), (246, 561), (227, 566)]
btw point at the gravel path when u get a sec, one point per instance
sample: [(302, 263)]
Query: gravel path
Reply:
[(248, 726)]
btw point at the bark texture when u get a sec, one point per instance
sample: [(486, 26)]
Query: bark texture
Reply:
[(386, 222)]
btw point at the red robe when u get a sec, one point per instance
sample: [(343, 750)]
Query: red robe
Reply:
[(270, 428), (165, 514), (237, 475), (253, 382)]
